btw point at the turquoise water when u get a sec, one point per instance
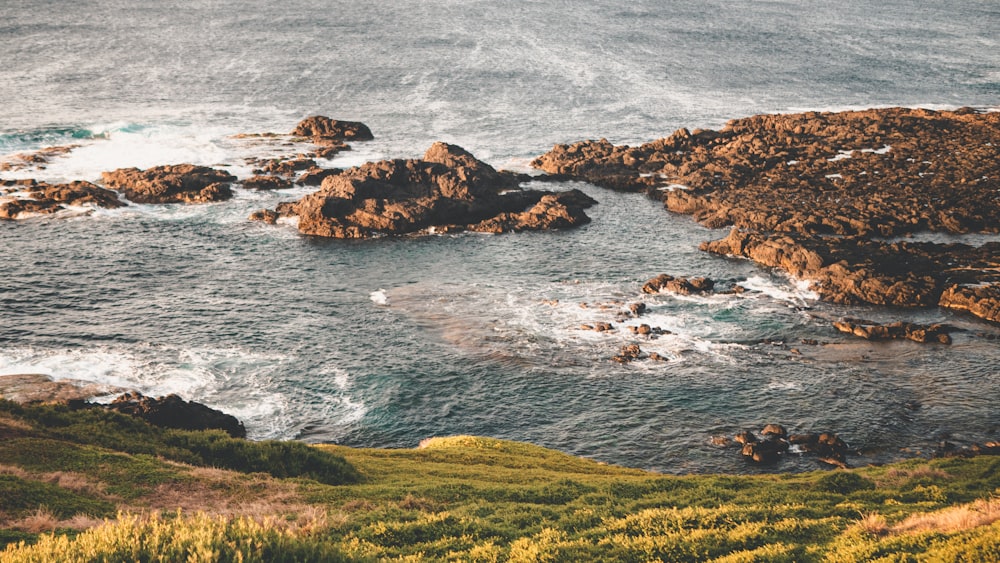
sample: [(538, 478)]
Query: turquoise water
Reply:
[(386, 342)]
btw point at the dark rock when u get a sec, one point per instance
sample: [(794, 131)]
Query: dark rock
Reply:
[(266, 183), (766, 451), (746, 437), (637, 309), (173, 412), (182, 183)]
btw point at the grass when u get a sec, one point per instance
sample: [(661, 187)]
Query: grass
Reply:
[(459, 498)]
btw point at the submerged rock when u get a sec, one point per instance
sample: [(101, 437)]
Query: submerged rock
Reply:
[(445, 191), (679, 285), (181, 183), (895, 331), (172, 411)]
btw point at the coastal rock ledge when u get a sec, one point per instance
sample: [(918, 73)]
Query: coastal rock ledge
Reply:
[(448, 190), (823, 195)]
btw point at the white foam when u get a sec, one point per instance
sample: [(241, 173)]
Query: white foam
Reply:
[(794, 291), (844, 155), (235, 381), (379, 297)]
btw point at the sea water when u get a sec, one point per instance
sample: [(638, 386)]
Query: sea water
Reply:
[(385, 342)]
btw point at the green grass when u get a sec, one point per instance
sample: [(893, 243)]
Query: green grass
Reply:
[(460, 498)]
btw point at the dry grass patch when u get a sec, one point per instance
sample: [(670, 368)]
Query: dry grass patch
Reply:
[(955, 519), (895, 476), (43, 521)]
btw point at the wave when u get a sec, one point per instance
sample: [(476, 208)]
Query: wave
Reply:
[(245, 384)]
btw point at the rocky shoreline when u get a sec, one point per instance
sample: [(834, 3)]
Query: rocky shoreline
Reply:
[(814, 193), (447, 190)]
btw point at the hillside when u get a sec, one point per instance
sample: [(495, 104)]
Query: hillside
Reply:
[(83, 485)]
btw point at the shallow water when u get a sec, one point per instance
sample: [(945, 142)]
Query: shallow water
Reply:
[(385, 342)]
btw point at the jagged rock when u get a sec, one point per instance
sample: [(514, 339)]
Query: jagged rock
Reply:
[(14, 208), (679, 285), (982, 301), (266, 183), (314, 176), (895, 331), (265, 216), (181, 183), (746, 437), (321, 127), (173, 412), (446, 191)]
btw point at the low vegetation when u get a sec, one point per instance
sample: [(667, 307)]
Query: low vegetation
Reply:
[(87, 485)]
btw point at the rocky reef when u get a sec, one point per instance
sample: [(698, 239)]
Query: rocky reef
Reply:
[(817, 194)]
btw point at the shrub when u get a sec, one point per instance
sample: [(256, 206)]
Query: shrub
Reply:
[(843, 482)]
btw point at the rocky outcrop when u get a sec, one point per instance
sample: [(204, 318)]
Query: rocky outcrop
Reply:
[(322, 129), (887, 171), (982, 300), (172, 411), (679, 285), (50, 198), (809, 193), (17, 208), (895, 331), (181, 183), (447, 190), (776, 442)]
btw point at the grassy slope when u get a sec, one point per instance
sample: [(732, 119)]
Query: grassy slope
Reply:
[(459, 498)]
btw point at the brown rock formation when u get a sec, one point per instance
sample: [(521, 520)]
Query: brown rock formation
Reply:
[(447, 190), (680, 285), (49, 198), (319, 127), (982, 301), (887, 171), (181, 183)]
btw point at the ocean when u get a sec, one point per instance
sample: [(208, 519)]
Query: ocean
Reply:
[(385, 342)]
